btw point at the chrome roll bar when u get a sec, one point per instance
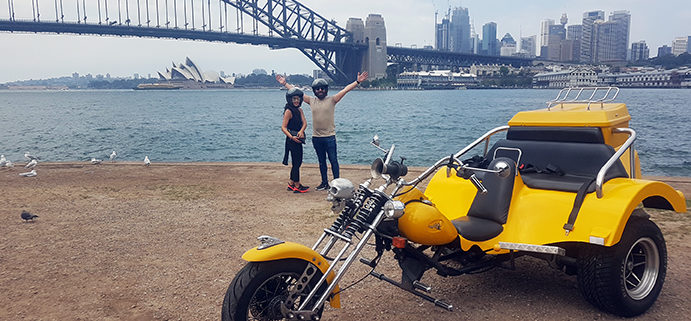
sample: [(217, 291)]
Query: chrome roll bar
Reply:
[(628, 144)]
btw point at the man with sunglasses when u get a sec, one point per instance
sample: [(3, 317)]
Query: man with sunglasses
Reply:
[(323, 123)]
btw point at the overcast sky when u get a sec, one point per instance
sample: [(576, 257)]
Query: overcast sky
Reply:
[(409, 22)]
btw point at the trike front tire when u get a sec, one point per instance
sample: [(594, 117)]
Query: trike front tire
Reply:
[(246, 297), (627, 278)]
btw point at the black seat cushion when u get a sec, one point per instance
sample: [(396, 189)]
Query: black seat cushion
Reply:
[(477, 229), (565, 183), (577, 161)]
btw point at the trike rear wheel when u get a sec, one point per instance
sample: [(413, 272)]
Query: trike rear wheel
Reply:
[(627, 278)]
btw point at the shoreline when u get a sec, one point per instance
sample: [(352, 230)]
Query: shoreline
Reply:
[(681, 183)]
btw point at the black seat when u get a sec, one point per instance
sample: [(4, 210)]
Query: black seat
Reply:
[(576, 163), (489, 212)]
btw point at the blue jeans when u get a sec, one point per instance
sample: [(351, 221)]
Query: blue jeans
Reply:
[(326, 146)]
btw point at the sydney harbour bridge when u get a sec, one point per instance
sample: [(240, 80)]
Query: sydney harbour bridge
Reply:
[(339, 52)]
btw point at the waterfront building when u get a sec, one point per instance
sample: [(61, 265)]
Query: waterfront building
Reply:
[(587, 38), (528, 46), (639, 51), (489, 39), (673, 78), (190, 76), (482, 71), (580, 77), (435, 79), (681, 45), (665, 50)]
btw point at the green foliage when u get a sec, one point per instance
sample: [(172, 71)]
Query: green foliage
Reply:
[(261, 80), (667, 61), (118, 83)]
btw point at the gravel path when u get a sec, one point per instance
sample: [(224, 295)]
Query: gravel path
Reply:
[(126, 242)]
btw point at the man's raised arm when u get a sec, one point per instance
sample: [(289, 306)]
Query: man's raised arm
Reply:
[(360, 78), (282, 80)]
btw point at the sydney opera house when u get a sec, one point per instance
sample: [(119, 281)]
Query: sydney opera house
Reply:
[(188, 75)]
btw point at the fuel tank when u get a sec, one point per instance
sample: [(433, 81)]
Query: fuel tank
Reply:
[(423, 223)]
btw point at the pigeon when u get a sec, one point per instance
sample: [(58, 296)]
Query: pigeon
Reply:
[(29, 156), (112, 156), (31, 164), (95, 161), (26, 216), (32, 173), (147, 162)]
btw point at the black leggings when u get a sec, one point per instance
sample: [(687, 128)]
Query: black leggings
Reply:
[(295, 151)]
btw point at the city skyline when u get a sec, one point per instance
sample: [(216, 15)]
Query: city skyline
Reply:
[(408, 22)]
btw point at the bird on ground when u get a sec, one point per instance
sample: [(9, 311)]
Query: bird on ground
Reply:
[(95, 161), (26, 216), (32, 173), (27, 155), (147, 162), (32, 164), (7, 164), (112, 156), (3, 161)]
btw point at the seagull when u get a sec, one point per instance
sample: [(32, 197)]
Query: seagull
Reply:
[(7, 164), (32, 173), (95, 161), (26, 216), (29, 156), (112, 156), (147, 162), (3, 161), (31, 164)]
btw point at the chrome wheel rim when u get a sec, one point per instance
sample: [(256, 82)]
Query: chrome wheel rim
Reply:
[(267, 299), (641, 267)]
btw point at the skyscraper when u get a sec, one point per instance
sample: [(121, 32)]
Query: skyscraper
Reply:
[(680, 45), (664, 51), (587, 38), (489, 39), (544, 32), (575, 33), (442, 34), (639, 51), (528, 45), (622, 26), (459, 35), (508, 45)]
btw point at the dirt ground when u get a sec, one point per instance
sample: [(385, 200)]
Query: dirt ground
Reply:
[(127, 242)]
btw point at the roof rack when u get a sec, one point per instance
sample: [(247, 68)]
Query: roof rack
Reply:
[(565, 96)]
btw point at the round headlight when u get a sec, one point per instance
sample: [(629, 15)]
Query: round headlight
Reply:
[(394, 209)]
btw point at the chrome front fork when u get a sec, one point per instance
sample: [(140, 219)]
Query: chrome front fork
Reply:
[(327, 241)]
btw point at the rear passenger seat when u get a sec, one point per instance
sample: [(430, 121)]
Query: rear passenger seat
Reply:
[(557, 158)]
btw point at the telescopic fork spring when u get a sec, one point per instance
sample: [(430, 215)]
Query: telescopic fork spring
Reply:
[(366, 214), (346, 215)]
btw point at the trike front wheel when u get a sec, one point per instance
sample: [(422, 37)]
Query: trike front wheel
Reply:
[(260, 289)]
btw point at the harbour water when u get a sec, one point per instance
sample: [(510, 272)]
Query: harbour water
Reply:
[(244, 125)]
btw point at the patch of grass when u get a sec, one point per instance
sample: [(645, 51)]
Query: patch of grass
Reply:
[(185, 192)]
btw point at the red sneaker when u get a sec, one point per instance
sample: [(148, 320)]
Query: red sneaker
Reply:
[(301, 189)]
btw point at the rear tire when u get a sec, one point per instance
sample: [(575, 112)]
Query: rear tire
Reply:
[(627, 278), (259, 289)]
